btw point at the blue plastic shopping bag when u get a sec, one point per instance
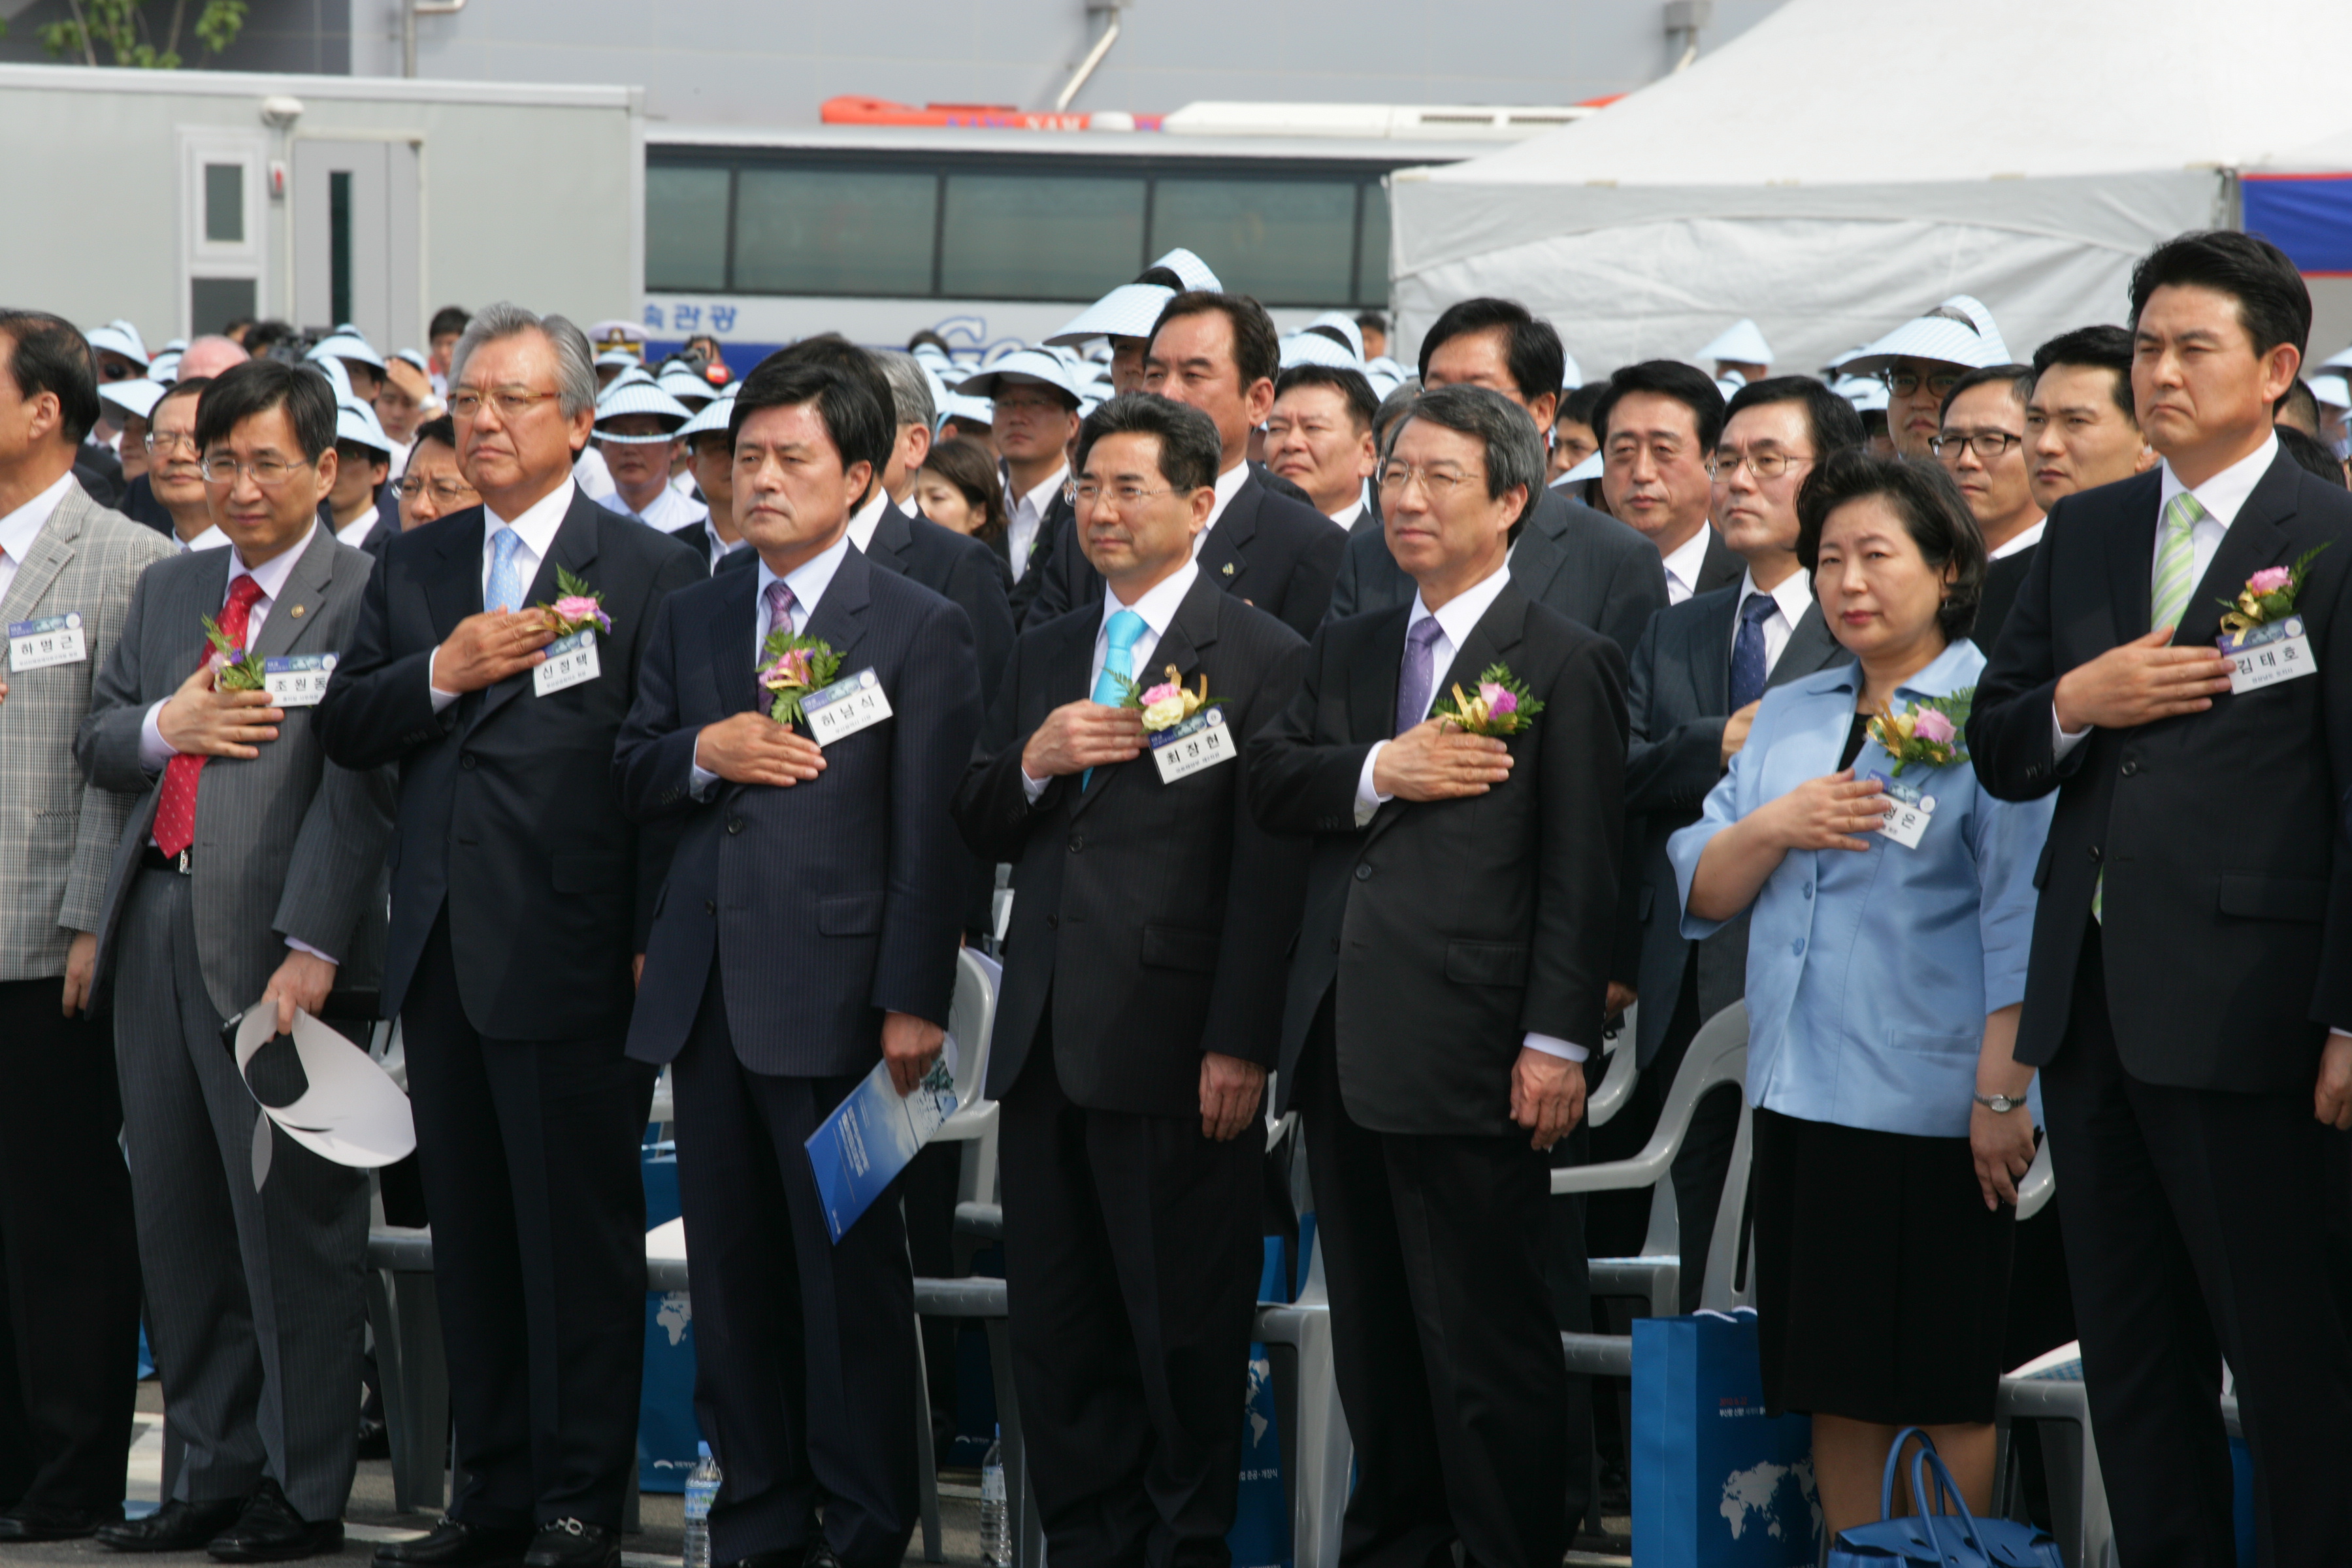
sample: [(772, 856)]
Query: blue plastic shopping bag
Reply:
[(1716, 1482), (1260, 1537), (666, 1429)]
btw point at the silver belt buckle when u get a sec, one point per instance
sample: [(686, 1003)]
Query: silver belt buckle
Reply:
[(184, 863)]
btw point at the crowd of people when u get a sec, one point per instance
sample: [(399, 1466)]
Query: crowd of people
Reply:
[(1304, 733)]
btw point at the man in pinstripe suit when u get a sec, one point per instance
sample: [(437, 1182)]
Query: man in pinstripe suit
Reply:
[(70, 1317), (243, 878), (807, 931)]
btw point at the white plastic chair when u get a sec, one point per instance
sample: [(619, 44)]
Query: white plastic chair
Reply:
[(1622, 1072)]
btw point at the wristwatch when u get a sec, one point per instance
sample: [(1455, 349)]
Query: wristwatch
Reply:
[(2000, 1104)]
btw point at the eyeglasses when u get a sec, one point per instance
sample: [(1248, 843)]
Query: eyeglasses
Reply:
[(1725, 461), (118, 370), (511, 403), (448, 492), (1906, 383), (164, 443), (1435, 483), (1124, 496), (220, 469), (1988, 444)]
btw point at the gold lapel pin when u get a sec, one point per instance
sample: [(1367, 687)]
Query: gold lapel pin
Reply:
[(296, 611), (1229, 568)]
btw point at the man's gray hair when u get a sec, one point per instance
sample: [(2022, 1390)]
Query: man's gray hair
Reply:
[(575, 362), (911, 389), (1514, 454)]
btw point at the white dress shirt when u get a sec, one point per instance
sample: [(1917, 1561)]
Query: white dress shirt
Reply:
[(1229, 484), (1791, 599), (668, 511), (400, 452), (354, 533), (212, 537), (21, 527), (719, 547), (865, 519), (1025, 513), (536, 528), (2025, 538), (1683, 566), (1347, 515), (808, 581), (588, 470), (1157, 607)]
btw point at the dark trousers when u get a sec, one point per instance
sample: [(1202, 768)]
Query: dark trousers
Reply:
[(69, 1258), (1131, 1256), (804, 1349), (528, 1153), (2203, 1225), (928, 1192), (1443, 1334)]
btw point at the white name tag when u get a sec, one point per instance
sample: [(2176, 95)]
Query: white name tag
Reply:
[(569, 661), (1200, 742), (52, 639), (2265, 656), (296, 680), (853, 703), (1907, 823)]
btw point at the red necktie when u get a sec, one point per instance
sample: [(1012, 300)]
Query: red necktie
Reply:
[(175, 811)]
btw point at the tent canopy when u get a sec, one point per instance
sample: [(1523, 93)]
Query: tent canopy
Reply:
[(1845, 164)]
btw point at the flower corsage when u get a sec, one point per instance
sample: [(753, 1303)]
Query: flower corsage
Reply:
[(1168, 704), (234, 669), (577, 606), (2268, 596), (1502, 705), (1927, 733), (790, 667)]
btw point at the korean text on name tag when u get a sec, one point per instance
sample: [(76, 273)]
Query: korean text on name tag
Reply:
[(850, 704), (52, 639), (2265, 656), (296, 680), (569, 661), (1200, 742)]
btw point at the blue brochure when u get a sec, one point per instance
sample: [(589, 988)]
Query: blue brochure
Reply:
[(861, 1148)]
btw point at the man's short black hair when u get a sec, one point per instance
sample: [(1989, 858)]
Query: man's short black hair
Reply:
[(1531, 349), (1351, 384), (2092, 348), (448, 318), (2273, 304), (930, 337), (440, 428), (1687, 385), (1927, 500), (833, 349), (258, 385), (1580, 403), (49, 353), (2299, 407), (186, 386), (1830, 422), (1189, 447), (2019, 378), (1257, 348), (1161, 277), (2312, 453), (856, 420), (1372, 321)]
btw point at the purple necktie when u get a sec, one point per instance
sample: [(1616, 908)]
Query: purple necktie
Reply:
[(1412, 684), (780, 609)]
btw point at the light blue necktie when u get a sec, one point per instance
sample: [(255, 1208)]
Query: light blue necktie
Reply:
[(505, 590), (1120, 633)]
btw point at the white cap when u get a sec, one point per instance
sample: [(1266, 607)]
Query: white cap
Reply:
[(1958, 331), (717, 416), (1591, 468), (176, 346), (350, 345), (1128, 311), (956, 405), (1038, 367), (119, 337), (636, 375), (356, 422), (417, 358), (1345, 325), (640, 395), (1314, 348), (1193, 271), (1383, 374), (1572, 375), (134, 394), (331, 367), (2337, 360), (1741, 342), (1866, 392), (614, 331), (1729, 382), (164, 368), (2331, 387)]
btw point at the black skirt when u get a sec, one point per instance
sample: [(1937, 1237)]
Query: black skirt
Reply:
[(1881, 1280)]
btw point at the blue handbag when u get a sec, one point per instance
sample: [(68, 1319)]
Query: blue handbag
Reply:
[(1956, 1539)]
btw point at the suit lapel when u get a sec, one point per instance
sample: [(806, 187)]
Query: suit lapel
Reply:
[(733, 659), (455, 591), (574, 551), (1811, 648), (295, 608), (1224, 555), (52, 548), (2255, 540), (1711, 659), (839, 619), (894, 538), (1535, 560), (2131, 559), (1372, 680)]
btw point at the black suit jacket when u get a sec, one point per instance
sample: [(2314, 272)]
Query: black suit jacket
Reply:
[(697, 539), (1719, 567), (1451, 929), (140, 505), (507, 812), (1042, 548), (1152, 918), (1279, 554), (2228, 903), (1570, 559), (825, 904), (2003, 578), (1679, 694)]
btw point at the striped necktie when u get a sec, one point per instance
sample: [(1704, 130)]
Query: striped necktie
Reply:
[(2174, 574)]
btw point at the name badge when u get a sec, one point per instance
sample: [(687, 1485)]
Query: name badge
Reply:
[(2263, 656), (569, 661), (1200, 742), (1911, 815), (52, 639), (296, 680), (853, 703)]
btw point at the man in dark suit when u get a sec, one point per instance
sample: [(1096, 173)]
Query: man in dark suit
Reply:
[(1218, 353), (1141, 1010), (1033, 402), (1320, 437), (246, 876), (1698, 675), (1582, 564), (1449, 979), (2191, 981), (521, 896), (807, 933), (1981, 443), (710, 453), (1657, 423)]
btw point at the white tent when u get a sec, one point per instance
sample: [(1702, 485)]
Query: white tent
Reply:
[(1845, 164)]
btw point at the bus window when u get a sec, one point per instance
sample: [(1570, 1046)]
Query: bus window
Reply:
[(835, 231), (1288, 242), (686, 228), (1373, 257), (1039, 236)]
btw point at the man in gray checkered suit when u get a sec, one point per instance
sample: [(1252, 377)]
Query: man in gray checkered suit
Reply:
[(70, 1309)]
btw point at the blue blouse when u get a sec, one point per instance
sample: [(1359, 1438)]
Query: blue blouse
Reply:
[(1870, 973)]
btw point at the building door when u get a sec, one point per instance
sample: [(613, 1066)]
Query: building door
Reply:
[(357, 239)]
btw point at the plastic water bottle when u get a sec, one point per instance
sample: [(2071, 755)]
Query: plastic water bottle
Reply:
[(701, 1488), (995, 1523)]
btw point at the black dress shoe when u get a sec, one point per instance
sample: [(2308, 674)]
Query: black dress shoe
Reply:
[(177, 1526), (774, 1557), (569, 1543), (454, 1544), (269, 1531), (375, 1439), (820, 1555), (36, 1521)]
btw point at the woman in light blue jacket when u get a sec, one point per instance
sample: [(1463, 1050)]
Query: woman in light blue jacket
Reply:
[(1893, 905)]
